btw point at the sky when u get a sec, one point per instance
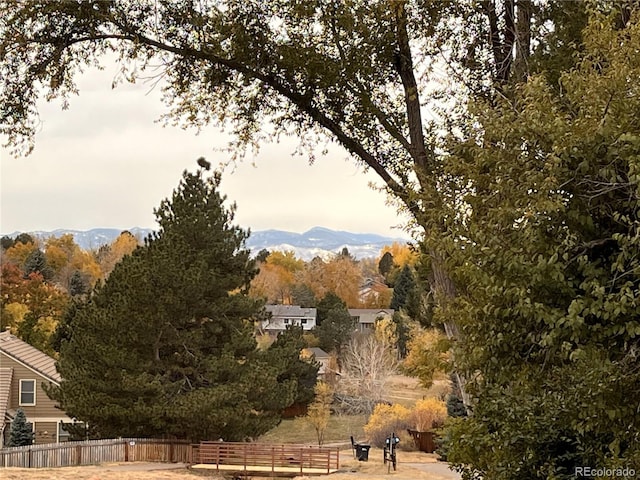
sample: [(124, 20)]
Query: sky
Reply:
[(106, 162)]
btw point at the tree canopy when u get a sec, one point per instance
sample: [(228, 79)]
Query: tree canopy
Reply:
[(165, 346)]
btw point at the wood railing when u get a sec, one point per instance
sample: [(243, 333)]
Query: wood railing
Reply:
[(265, 458)]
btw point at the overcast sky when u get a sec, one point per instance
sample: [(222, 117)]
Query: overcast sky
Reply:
[(106, 162)]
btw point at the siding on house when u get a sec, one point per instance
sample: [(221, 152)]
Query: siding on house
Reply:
[(365, 318), (284, 315), (20, 361)]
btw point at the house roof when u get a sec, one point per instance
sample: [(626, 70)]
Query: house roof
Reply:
[(317, 352), (370, 315), (5, 389), (290, 311), (29, 356)]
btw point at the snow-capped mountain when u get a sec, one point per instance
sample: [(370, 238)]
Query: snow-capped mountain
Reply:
[(318, 241)]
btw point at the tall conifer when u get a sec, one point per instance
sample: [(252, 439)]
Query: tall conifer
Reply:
[(166, 346)]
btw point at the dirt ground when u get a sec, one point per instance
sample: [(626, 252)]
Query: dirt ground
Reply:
[(350, 469)]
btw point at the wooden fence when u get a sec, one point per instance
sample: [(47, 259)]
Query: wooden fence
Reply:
[(281, 460), (92, 452)]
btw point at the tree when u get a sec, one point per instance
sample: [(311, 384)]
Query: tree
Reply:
[(547, 251), (275, 280), (109, 255), (165, 346), (284, 354), (303, 295), (21, 433), (404, 286), (385, 264), (319, 411), (335, 324), (30, 306), (427, 354), (25, 239), (36, 262), (368, 361), (6, 242), (78, 284)]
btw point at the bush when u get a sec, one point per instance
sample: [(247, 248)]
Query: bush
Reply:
[(21, 433), (428, 414), (385, 420)]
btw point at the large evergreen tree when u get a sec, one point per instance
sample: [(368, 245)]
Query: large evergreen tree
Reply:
[(165, 346)]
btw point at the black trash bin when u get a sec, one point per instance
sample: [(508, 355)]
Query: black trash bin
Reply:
[(362, 452)]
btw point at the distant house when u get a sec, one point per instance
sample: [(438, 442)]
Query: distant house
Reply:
[(283, 316), (365, 318), (23, 370), (371, 289), (322, 357)]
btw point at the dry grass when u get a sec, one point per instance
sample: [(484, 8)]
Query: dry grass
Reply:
[(375, 469), (350, 469), (407, 390), (102, 472), (299, 430)]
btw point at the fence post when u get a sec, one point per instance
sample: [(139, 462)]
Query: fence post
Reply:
[(126, 451)]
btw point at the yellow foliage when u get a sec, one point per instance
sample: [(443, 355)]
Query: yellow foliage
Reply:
[(385, 331), (319, 411), (402, 254), (13, 314), (286, 260), (385, 420), (19, 252), (427, 353), (428, 414)]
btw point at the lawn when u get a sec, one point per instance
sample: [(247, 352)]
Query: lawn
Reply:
[(299, 430)]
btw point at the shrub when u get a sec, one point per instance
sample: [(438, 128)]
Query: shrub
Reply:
[(428, 414), (21, 433), (385, 420)]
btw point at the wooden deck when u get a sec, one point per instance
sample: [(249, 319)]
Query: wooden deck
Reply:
[(264, 459)]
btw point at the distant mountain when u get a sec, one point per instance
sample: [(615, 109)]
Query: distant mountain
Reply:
[(318, 241), (90, 239)]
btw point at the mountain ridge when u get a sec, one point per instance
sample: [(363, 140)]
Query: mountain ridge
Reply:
[(317, 241)]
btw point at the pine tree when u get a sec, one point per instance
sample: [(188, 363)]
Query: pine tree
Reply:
[(21, 433), (385, 264), (36, 262), (335, 323), (405, 284), (77, 284), (166, 346)]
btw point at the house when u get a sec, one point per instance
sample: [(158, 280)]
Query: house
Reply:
[(365, 318), (284, 315), (322, 357), (23, 371), (371, 290)]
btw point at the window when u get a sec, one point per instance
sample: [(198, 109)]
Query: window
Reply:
[(27, 392), (304, 321), (286, 321)]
